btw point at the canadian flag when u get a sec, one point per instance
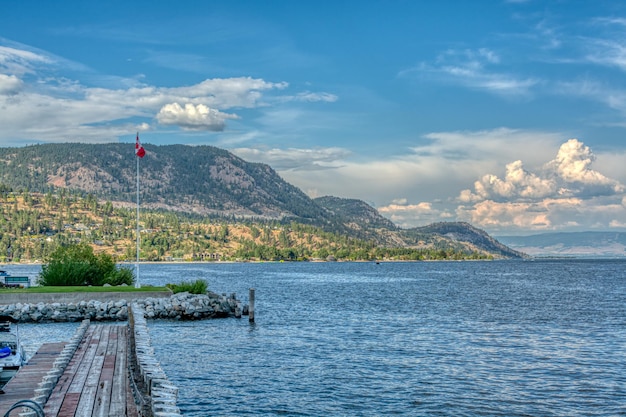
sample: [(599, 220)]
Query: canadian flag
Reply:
[(139, 150)]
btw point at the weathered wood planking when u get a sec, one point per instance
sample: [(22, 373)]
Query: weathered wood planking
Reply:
[(121, 381), (94, 370), (22, 385), (53, 405), (96, 382), (103, 394)]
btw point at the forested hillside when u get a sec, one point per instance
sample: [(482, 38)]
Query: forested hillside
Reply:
[(198, 202), (34, 224)]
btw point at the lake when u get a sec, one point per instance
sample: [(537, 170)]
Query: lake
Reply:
[(502, 338)]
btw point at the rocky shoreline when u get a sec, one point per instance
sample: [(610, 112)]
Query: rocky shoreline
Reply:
[(181, 306)]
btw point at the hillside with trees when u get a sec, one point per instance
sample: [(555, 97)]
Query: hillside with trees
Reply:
[(197, 203), (34, 225)]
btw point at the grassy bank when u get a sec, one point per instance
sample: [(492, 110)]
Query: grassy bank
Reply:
[(46, 290)]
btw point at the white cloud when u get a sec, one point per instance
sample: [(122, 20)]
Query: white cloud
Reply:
[(573, 165), (569, 174), (404, 215), (566, 191), (608, 48), (518, 183), (193, 117), (226, 93), (472, 68), (438, 167), (311, 97), (528, 194), (19, 61), (10, 84), (66, 110), (294, 158), (610, 95)]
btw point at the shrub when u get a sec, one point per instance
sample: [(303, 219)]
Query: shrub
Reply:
[(76, 265), (199, 286), (120, 276)]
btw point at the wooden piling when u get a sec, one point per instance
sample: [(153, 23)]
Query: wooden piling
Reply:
[(251, 307)]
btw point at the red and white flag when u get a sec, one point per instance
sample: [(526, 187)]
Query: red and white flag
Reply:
[(139, 150)]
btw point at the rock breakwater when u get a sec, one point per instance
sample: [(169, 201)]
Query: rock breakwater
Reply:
[(181, 306)]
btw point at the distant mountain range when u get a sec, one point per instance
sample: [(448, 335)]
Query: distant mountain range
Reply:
[(577, 244), (209, 181)]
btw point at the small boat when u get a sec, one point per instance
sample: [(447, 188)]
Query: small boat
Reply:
[(12, 355)]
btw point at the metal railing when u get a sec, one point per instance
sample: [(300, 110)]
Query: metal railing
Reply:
[(27, 404)]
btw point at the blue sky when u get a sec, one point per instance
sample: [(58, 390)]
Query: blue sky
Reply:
[(507, 114)]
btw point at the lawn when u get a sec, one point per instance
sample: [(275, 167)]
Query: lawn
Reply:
[(80, 289)]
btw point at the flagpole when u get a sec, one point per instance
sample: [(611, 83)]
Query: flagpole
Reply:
[(137, 284)]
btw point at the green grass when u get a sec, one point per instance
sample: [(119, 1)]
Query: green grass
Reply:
[(80, 289), (198, 286)]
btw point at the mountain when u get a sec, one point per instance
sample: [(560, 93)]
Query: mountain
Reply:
[(209, 181), (362, 220), (582, 244), (357, 211), (464, 234), (199, 179)]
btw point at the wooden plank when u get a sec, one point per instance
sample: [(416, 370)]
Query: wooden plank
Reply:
[(120, 384), (90, 388), (80, 372), (103, 395), (54, 403), (23, 384), (68, 408), (96, 382)]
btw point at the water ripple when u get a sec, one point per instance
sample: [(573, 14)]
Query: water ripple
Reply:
[(407, 339)]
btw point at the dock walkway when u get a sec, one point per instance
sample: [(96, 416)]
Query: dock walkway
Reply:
[(104, 370), (95, 382), (22, 385)]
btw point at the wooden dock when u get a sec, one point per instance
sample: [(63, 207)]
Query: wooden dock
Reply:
[(96, 380), (22, 385)]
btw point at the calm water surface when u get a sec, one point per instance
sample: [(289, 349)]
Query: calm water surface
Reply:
[(513, 338), (536, 338)]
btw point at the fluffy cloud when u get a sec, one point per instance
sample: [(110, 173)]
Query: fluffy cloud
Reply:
[(225, 93), (569, 174), (573, 165), (414, 188), (436, 167), (67, 110), (190, 117), (9, 84), (518, 183), (566, 192)]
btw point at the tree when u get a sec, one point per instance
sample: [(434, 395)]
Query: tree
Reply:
[(77, 265)]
